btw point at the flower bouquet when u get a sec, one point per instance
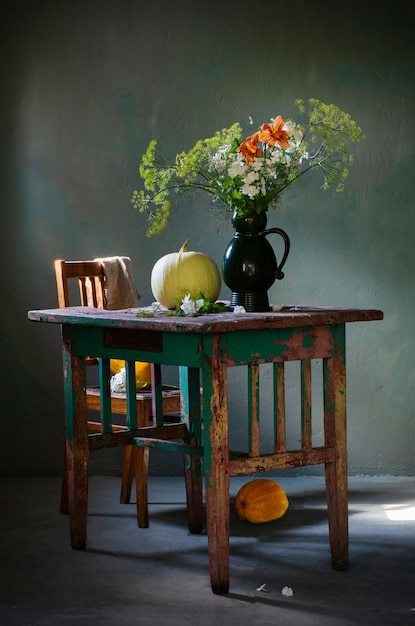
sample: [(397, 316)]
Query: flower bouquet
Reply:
[(250, 175)]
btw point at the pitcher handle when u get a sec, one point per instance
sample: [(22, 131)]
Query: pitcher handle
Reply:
[(278, 273)]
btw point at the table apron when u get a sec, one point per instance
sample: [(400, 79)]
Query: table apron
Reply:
[(135, 345), (278, 345), (191, 349)]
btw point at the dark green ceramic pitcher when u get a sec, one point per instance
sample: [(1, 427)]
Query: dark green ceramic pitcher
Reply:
[(250, 267)]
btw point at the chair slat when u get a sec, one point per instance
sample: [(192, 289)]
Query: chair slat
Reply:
[(253, 410), (306, 426), (280, 438)]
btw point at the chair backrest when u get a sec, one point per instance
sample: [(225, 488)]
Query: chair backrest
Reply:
[(91, 282)]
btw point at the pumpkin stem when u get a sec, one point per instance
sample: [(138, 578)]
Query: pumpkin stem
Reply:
[(184, 246)]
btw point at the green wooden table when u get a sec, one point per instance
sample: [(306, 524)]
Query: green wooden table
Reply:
[(204, 348)]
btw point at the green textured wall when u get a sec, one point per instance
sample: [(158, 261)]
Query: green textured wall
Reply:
[(86, 85)]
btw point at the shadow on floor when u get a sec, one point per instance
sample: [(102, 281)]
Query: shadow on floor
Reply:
[(160, 575)]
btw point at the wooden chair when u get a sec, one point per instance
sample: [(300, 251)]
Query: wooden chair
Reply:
[(91, 283)]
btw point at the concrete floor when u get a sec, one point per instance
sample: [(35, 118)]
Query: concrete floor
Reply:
[(160, 575)]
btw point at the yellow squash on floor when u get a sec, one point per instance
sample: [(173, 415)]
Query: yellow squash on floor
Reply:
[(261, 500)]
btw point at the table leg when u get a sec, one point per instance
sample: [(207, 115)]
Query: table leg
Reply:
[(216, 444), (141, 484), (77, 450), (334, 373)]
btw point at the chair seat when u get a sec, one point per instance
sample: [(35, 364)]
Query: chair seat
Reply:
[(170, 398)]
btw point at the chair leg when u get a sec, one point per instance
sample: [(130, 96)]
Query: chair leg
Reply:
[(127, 473), (64, 506), (141, 483)]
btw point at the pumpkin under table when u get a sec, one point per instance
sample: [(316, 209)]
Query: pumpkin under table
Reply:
[(205, 347)]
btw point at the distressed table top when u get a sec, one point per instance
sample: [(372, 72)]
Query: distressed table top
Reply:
[(288, 317)]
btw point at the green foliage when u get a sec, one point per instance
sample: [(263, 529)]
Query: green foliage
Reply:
[(195, 163), (197, 306), (330, 130)]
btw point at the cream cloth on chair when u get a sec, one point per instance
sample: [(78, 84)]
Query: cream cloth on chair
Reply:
[(120, 289)]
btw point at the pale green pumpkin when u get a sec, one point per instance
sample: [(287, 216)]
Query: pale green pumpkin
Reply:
[(178, 274)]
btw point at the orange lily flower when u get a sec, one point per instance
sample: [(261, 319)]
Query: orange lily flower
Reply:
[(275, 134), (249, 148)]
